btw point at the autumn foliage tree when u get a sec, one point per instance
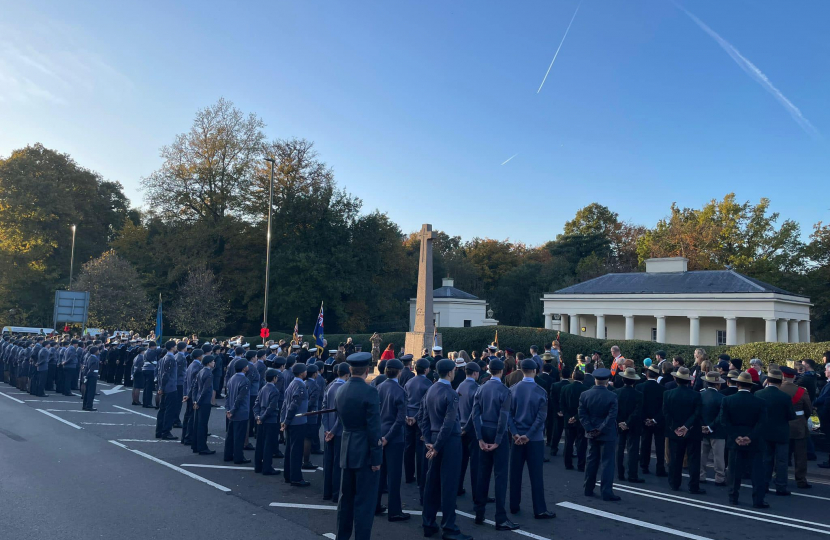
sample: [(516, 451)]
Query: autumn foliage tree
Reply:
[(116, 296), (198, 307)]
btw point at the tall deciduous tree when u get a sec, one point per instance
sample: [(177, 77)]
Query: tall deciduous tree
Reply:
[(116, 298), (198, 307)]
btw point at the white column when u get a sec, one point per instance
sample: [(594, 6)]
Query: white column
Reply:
[(629, 327), (549, 321), (770, 331), (694, 330), (574, 320), (804, 331), (783, 331), (731, 331), (661, 329), (793, 331), (600, 326)]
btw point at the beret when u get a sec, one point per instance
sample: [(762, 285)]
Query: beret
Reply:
[(197, 353), (394, 364), (239, 365), (421, 363), (472, 366), (299, 368), (311, 368), (529, 363), (250, 354), (445, 365), (271, 372), (496, 364), (341, 369), (278, 361)]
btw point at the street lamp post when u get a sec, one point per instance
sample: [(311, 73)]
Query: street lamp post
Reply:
[(272, 161), (72, 258)]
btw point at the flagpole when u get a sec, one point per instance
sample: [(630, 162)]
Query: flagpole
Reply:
[(268, 245)]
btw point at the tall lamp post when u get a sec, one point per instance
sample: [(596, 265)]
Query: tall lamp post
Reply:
[(272, 161), (72, 258)]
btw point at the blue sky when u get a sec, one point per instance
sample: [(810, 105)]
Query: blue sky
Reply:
[(416, 104)]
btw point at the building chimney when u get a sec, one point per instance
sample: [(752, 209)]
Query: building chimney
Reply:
[(667, 265), (447, 282)]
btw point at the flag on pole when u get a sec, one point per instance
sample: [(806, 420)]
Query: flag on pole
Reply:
[(159, 320), (318, 329), (434, 336), (297, 331), (496, 341)]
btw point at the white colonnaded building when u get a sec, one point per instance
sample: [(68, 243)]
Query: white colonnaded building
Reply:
[(454, 308), (669, 304)]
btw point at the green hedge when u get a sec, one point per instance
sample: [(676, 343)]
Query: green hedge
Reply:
[(779, 353)]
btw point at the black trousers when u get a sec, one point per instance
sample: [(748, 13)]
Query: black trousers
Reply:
[(119, 374), (575, 436), (59, 379), (187, 423), (441, 487), (40, 383), (235, 440), (413, 456), (469, 456), (677, 449), (356, 507), (89, 394), (200, 436), (496, 462), (167, 410), (68, 377), (176, 415), (50, 378), (252, 425), (266, 444), (657, 435), (741, 460), (292, 467), (390, 470), (73, 380), (149, 389), (775, 460), (557, 427), (532, 454), (331, 469), (628, 440), (601, 454)]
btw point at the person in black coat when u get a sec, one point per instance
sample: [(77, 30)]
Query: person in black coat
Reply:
[(629, 425), (555, 411), (653, 422), (743, 416), (714, 437), (780, 411), (681, 408), (731, 386), (574, 432), (598, 416)]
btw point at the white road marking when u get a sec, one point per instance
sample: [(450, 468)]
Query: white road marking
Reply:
[(158, 441), (218, 437), (58, 418), (135, 412), (330, 535), (177, 469), (11, 398), (53, 401), (108, 424), (645, 524), (744, 513), (794, 493), (232, 467), (306, 506), (490, 522), (80, 411)]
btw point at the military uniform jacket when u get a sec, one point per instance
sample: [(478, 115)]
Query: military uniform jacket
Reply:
[(802, 408), (528, 410), (181, 368), (466, 393), (331, 422), (287, 376), (569, 399), (138, 364), (405, 376), (780, 412), (598, 411), (71, 358), (203, 391), (438, 417), (681, 407), (91, 367), (392, 411), (43, 359), (710, 404), (190, 376), (743, 415), (295, 402), (491, 408), (237, 399), (415, 391), (313, 392), (358, 410), (167, 374), (253, 379), (267, 404), (630, 408)]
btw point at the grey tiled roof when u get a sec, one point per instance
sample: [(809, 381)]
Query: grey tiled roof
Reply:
[(697, 282), (452, 292)]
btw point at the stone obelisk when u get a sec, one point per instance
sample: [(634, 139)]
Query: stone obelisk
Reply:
[(422, 335)]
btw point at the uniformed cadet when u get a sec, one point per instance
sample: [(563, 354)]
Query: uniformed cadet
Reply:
[(441, 430), (137, 375), (201, 396), (381, 376), (414, 452), (776, 434), (312, 427), (598, 416), (181, 371), (682, 411), (653, 421), (42, 369), (528, 411), (150, 369), (267, 414), (188, 425), (358, 410), (91, 379), (333, 434), (406, 373), (70, 367), (574, 432), (237, 412), (260, 366), (392, 421), (167, 370), (629, 425), (253, 389), (219, 359), (316, 449), (294, 403), (798, 428), (279, 381), (469, 442)]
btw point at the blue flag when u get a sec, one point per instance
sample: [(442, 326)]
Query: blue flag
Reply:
[(318, 329), (159, 322)]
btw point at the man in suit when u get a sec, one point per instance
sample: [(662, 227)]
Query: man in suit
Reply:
[(798, 427), (333, 435), (821, 404), (743, 416), (653, 421), (469, 444), (682, 409), (629, 425), (714, 438), (357, 406), (598, 416), (574, 432), (555, 410), (392, 421), (413, 454), (776, 432)]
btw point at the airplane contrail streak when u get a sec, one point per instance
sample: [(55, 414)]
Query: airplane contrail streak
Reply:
[(558, 48), (508, 159)]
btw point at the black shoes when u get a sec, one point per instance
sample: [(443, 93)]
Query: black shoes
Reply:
[(272, 472), (169, 437), (430, 531), (783, 492), (309, 467), (248, 446), (379, 510), (317, 452), (304, 483), (399, 517), (825, 465), (612, 498), (461, 492), (505, 526), (761, 505), (697, 491), (279, 455), (244, 461), (636, 480), (545, 515), (207, 452), (662, 474), (456, 536), (90, 410), (720, 484), (177, 425)]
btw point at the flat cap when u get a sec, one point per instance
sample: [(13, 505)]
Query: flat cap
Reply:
[(360, 359), (406, 358), (602, 374)]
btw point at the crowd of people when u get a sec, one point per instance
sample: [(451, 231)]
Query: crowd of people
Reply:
[(432, 421)]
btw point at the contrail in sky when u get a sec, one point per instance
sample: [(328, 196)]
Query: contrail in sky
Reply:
[(753, 71), (559, 47), (508, 159)]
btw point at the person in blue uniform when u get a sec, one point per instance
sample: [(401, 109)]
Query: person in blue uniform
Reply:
[(414, 452), (137, 375), (316, 449), (253, 389), (441, 430), (236, 405), (42, 369), (150, 371), (167, 373), (267, 415), (557, 422), (90, 379), (69, 366), (188, 425), (333, 434), (469, 443), (278, 364), (201, 395), (381, 376), (392, 421), (295, 403), (629, 425), (490, 419), (528, 411), (181, 373), (312, 429), (406, 373), (598, 416), (357, 406), (682, 411)]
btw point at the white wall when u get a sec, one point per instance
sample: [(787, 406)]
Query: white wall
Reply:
[(452, 312)]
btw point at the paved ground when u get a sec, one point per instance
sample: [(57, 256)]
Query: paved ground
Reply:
[(100, 474)]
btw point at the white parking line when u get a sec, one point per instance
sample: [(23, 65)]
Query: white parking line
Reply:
[(135, 412), (170, 466), (235, 468), (108, 424), (158, 441), (11, 398), (47, 413), (330, 535), (53, 401), (645, 524), (80, 411), (794, 493)]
